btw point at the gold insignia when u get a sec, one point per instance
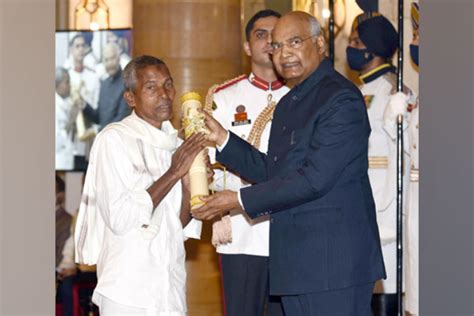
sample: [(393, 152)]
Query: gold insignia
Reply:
[(368, 100)]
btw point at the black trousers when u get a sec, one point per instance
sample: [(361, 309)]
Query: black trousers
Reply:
[(351, 301), (245, 285)]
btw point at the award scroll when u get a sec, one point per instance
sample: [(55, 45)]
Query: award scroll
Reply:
[(84, 132), (193, 122)]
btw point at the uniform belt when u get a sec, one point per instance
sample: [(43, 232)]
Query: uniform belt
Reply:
[(378, 162), (414, 175)]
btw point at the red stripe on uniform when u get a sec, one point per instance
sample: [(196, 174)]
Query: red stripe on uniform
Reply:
[(230, 83)]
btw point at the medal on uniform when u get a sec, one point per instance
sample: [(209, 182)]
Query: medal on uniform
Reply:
[(368, 100), (240, 116)]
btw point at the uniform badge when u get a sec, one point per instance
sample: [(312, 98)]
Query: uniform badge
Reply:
[(241, 116), (368, 100)]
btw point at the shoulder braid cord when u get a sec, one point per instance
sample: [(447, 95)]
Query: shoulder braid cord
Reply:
[(222, 228), (260, 122), (255, 135)]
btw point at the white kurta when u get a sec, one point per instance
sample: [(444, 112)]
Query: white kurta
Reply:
[(136, 267), (64, 139), (382, 143), (250, 237)]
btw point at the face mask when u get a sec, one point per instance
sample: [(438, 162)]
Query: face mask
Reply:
[(358, 58), (414, 53)]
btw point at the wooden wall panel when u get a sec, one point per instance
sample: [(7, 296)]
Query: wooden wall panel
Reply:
[(198, 39), (201, 44)]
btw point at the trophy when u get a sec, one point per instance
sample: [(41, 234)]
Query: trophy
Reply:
[(193, 122)]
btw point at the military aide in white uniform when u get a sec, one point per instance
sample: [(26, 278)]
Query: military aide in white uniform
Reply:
[(240, 103), (372, 43), (251, 95), (398, 103)]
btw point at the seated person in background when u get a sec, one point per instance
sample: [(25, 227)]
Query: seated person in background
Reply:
[(67, 272), (111, 105), (65, 267)]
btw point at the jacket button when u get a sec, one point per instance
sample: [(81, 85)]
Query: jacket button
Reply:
[(275, 158), (284, 128), (294, 98)]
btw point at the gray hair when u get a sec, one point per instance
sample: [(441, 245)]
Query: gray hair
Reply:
[(113, 46), (314, 26), (315, 30), (60, 74), (137, 63)]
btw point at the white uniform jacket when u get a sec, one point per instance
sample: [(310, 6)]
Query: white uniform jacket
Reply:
[(377, 90), (249, 237), (412, 226)]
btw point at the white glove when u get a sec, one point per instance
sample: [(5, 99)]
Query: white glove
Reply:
[(397, 105)]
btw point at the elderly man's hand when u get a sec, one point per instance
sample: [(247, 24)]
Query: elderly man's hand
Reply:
[(217, 204), (184, 156), (217, 133)]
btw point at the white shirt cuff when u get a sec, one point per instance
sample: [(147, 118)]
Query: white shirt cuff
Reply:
[(221, 147), (193, 229), (143, 198), (240, 200)]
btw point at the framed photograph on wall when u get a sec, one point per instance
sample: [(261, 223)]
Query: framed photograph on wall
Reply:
[(88, 90)]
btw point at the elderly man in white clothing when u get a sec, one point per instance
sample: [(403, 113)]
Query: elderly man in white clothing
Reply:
[(66, 112), (136, 201)]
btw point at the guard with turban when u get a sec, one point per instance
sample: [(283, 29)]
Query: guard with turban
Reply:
[(372, 44)]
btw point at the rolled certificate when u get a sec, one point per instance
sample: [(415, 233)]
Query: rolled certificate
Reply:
[(193, 122), (84, 133)]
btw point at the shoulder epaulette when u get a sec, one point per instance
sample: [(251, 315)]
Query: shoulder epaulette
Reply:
[(208, 106), (392, 79)]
